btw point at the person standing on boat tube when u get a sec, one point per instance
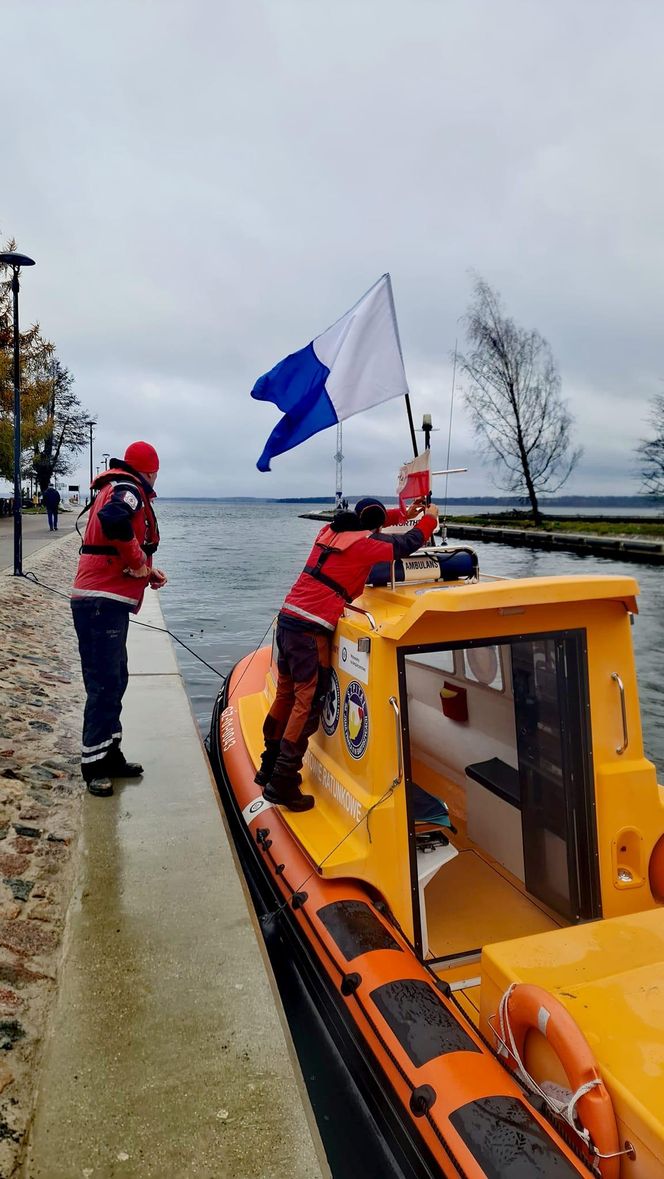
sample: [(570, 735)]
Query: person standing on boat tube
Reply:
[(335, 573), (113, 573)]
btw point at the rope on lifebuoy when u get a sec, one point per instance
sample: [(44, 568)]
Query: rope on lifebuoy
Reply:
[(525, 1007)]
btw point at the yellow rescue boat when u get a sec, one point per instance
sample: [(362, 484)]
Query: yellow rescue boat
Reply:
[(480, 884)]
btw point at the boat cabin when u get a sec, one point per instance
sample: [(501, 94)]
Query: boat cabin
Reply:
[(512, 706)]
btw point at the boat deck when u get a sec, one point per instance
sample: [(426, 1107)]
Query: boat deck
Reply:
[(469, 903)]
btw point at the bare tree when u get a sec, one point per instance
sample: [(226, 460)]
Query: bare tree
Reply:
[(61, 424), (513, 395), (651, 452)]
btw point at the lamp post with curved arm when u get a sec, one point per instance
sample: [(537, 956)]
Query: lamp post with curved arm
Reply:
[(16, 261)]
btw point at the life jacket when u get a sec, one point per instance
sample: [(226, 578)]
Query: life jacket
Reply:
[(306, 599), (103, 561), (338, 566), (328, 542)]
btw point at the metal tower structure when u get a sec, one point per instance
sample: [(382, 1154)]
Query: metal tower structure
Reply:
[(339, 458)]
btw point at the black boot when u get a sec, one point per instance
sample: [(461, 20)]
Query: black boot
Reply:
[(268, 762), (101, 787), (284, 790), (116, 765), (262, 777), (96, 777)]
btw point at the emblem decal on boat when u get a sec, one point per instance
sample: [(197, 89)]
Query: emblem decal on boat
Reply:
[(255, 807), (356, 720), (332, 705)]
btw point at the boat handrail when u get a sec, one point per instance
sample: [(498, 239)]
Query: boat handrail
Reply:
[(623, 710), (359, 610), (395, 706)]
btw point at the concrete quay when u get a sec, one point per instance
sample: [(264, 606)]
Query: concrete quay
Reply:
[(166, 1055), (41, 698), (142, 1034)]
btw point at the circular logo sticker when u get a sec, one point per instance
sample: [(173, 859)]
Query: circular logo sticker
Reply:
[(356, 719), (331, 709)]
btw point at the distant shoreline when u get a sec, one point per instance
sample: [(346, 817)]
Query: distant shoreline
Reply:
[(561, 501)]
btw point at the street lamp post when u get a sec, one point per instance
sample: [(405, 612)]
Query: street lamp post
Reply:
[(16, 261), (90, 424), (105, 457)]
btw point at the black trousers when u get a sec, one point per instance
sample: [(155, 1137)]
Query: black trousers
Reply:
[(101, 626)]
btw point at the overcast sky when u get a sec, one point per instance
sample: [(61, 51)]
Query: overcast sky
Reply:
[(207, 185)]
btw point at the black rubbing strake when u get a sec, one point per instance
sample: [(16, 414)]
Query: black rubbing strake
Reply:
[(506, 1139), (420, 1021), (355, 929)]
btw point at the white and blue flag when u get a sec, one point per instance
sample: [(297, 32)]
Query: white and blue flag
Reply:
[(353, 365)]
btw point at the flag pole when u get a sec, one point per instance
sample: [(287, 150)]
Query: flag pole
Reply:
[(398, 339), (410, 423)]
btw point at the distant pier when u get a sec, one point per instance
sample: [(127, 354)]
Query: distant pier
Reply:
[(619, 548), (587, 544)]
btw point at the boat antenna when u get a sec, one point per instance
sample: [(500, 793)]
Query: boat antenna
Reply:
[(339, 458), (409, 411)]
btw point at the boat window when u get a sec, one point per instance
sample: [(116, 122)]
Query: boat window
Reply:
[(505, 1139), (440, 660), (482, 666)]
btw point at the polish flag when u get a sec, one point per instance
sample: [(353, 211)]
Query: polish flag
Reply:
[(414, 479)]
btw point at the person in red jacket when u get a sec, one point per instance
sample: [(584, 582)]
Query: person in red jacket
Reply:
[(335, 573), (114, 569)]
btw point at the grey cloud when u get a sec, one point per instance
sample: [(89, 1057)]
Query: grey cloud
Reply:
[(206, 186)]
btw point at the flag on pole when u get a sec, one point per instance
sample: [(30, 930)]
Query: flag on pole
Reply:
[(414, 479), (353, 365)]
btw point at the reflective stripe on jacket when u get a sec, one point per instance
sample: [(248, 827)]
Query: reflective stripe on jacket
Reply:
[(123, 529)]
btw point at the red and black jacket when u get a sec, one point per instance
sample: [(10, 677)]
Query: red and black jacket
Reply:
[(338, 567), (121, 533)]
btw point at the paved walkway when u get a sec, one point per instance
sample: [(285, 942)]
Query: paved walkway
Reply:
[(167, 1056), (35, 534)]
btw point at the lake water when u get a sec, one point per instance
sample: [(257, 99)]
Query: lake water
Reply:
[(230, 566)]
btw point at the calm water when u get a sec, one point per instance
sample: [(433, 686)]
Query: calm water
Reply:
[(230, 566)]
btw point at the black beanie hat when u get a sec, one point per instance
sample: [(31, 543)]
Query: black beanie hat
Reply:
[(372, 512)]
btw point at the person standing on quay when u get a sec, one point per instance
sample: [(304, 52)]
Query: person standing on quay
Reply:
[(52, 500), (335, 573), (114, 569)]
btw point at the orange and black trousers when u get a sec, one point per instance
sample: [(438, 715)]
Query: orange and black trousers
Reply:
[(303, 666)]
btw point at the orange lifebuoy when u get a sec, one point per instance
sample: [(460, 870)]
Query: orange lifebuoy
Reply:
[(656, 871), (525, 1008)]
